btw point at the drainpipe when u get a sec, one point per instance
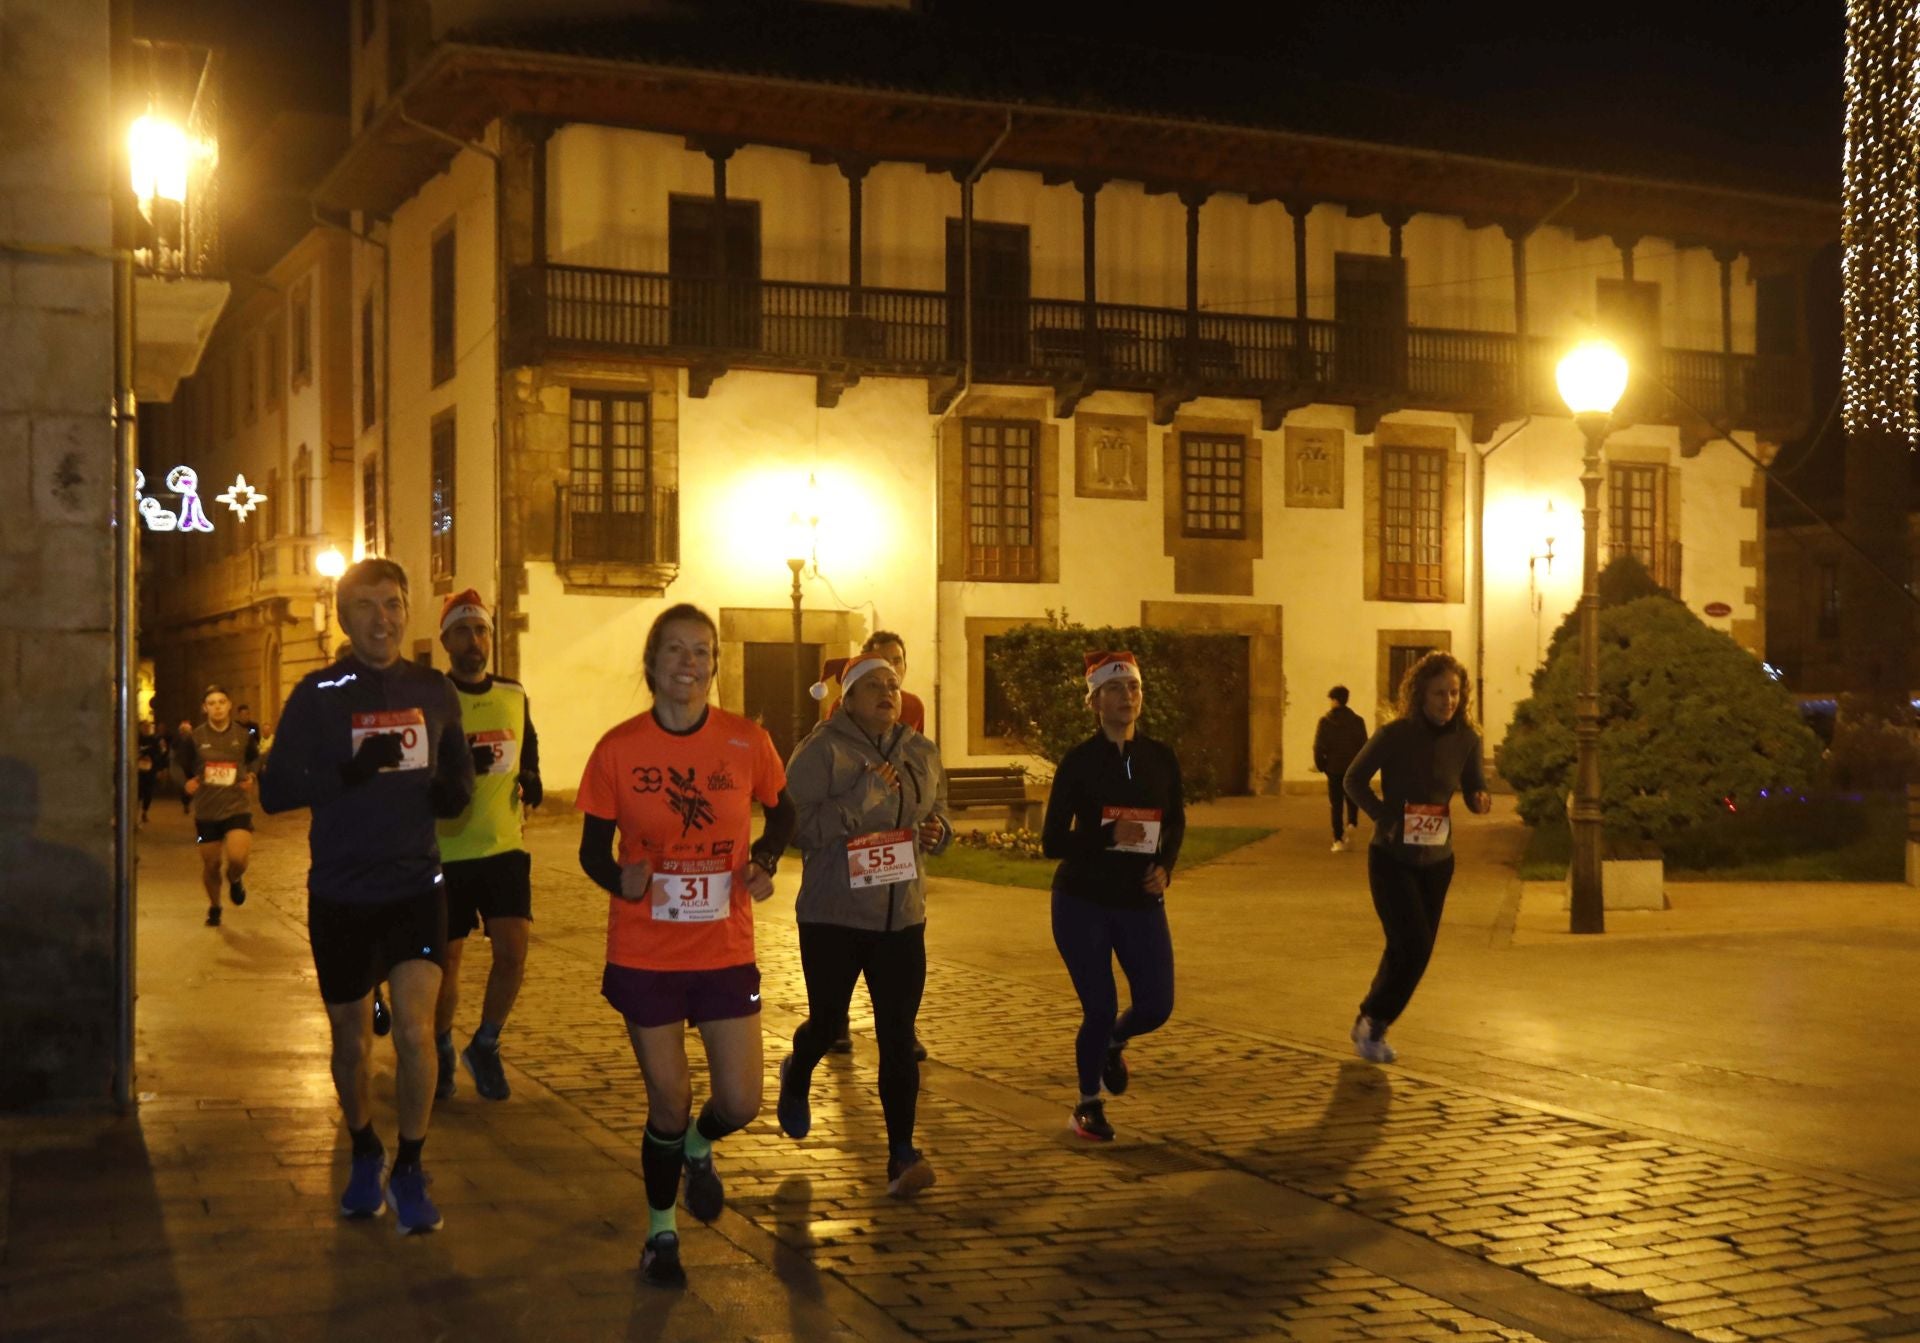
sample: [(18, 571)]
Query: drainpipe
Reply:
[(966, 382)]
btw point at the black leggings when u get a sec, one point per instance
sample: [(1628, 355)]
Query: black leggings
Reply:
[(1089, 936), (1408, 901), (895, 963), (1337, 798)]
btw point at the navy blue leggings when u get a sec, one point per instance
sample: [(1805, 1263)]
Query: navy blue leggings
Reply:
[(1089, 936)]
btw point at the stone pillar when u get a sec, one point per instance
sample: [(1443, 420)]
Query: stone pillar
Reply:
[(60, 957)]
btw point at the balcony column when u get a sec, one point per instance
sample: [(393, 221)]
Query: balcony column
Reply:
[(855, 171), (1396, 221), (1193, 199), (1522, 336), (1729, 372), (1089, 312), (1303, 332), (720, 153), (1626, 246)]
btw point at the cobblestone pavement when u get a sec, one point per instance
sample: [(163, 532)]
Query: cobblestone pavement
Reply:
[(1260, 1188)]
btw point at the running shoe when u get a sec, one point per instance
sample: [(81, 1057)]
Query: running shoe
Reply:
[(1339, 846), (213, 916), (382, 1019), (842, 1044), (237, 892), (660, 1261), (794, 1107), (412, 1208), (908, 1177), (362, 1198), (443, 1053), (1368, 1044), (1115, 1076), (1090, 1121), (706, 1196), (489, 1078)]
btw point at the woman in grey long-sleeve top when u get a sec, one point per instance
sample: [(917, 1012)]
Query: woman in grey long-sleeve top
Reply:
[(1423, 757)]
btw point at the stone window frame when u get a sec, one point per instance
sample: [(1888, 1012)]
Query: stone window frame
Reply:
[(443, 495), (1386, 702), (1658, 552), (1418, 512), (443, 290), (1206, 503), (953, 478), (1389, 434), (300, 332), (978, 630)]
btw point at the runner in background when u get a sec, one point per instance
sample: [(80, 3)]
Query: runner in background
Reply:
[(215, 764), (1426, 755), (488, 869), (872, 798), (1115, 818), (676, 787), (150, 763)]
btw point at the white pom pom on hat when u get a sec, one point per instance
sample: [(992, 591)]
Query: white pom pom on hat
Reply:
[(846, 671)]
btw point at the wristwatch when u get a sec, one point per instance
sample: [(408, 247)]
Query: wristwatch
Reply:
[(767, 864)]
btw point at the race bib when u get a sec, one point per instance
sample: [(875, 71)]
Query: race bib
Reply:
[(881, 859), (506, 751), (692, 890), (1425, 825), (1147, 818), (410, 725), (220, 774)]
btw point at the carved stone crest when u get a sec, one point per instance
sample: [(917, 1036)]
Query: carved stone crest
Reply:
[(1316, 467), (1110, 456)]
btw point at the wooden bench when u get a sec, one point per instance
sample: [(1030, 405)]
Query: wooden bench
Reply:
[(970, 786)]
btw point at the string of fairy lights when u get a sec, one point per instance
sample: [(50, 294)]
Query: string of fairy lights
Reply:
[(1880, 219)]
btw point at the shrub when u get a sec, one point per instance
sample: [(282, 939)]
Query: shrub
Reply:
[(1687, 719), (1873, 744), (1042, 671)]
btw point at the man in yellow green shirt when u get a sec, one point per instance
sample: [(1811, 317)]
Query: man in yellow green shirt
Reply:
[(482, 854)]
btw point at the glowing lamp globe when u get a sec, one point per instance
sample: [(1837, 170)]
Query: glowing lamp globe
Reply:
[(158, 154), (330, 564), (1592, 376)]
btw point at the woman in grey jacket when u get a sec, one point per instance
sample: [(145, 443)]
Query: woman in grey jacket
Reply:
[(872, 799)]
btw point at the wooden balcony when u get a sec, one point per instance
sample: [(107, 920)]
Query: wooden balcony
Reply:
[(839, 333), (215, 586)]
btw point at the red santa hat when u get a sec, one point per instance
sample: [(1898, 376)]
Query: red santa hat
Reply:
[(1104, 667), (846, 671), (464, 606)]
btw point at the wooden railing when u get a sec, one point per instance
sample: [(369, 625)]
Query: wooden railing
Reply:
[(626, 530), (806, 327)]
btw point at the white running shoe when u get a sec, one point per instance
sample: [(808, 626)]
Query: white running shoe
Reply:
[(1366, 1046), (1339, 846)]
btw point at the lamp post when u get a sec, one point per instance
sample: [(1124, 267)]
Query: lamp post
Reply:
[(329, 564), (802, 527), (1591, 376)]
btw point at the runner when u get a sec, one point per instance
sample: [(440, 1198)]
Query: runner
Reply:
[(1115, 819), (872, 797), (215, 764), (677, 784), (1426, 755), (487, 866), (150, 764), (373, 746)]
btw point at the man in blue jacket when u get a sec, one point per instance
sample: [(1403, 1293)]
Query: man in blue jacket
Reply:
[(373, 746)]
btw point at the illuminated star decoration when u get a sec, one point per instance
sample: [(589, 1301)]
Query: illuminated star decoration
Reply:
[(241, 497)]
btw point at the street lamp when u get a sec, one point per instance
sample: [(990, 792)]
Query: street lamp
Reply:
[(329, 564), (1592, 377), (802, 524)]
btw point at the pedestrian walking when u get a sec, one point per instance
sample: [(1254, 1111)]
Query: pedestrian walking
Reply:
[(373, 746), (215, 764), (482, 852), (1115, 818), (676, 786), (872, 799), (1336, 741), (1423, 757), (150, 763)]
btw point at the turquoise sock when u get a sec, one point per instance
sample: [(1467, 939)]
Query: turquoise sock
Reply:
[(661, 1219)]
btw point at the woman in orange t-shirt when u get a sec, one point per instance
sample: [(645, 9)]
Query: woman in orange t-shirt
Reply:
[(678, 784)]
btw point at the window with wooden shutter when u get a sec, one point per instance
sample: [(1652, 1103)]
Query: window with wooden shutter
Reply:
[(1003, 500), (1412, 500), (1637, 519)]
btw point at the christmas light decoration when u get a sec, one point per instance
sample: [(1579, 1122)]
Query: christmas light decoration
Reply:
[(241, 497), (1880, 218)]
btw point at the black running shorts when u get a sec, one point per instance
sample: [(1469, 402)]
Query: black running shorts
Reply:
[(356, 945), (662, 997), (499, 886), (212, 832)]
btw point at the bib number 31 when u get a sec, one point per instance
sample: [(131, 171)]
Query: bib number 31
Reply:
[(692, 890)]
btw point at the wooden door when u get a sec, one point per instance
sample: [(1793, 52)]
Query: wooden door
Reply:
[(769, 677), (1002, 280), (714, 275), (1370, 317)]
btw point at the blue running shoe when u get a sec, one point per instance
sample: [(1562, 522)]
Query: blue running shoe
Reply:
[(362, 1198), (407, 1194), (660, 1261), (489, 1078), (706, 1196), (793, 1108)]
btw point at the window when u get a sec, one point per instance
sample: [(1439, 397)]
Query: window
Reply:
[(1400, 660), (370, 506), (1827, 625), (1370, 320), (271, 374), (616, 510), (227, 394), (1637, 519), (300, 320), (1628, 312), (1412, 495), (271, 515), (997, 718), (440, 504), (250, 379), (369, 402), (303, 493), (441, 300), (1002, 501), (1213, 485)]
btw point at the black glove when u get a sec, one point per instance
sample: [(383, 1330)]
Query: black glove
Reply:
[(381, 750), (530, 790), (483, 757)]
